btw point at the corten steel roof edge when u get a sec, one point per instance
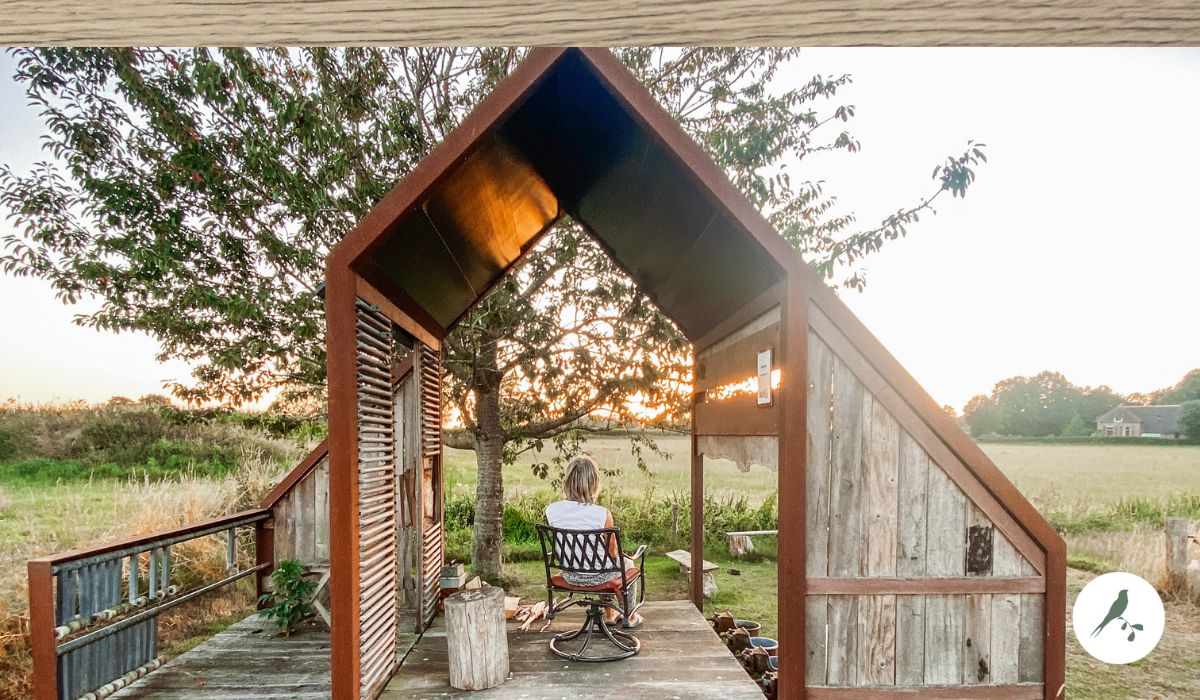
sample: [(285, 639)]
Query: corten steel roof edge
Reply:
[(453, 150)]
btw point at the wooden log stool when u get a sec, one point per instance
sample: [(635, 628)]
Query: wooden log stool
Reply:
[(476, 639)]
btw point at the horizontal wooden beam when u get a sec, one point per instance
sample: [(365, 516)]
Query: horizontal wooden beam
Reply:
[(925, 585), (1016, 691)]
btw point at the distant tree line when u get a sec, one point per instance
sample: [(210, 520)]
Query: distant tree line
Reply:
[(1048, 404)]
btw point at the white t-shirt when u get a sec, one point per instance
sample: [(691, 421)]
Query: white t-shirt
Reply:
[(573, 515)]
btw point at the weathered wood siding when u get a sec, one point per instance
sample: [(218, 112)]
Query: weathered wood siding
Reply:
[(429, 375), (408, 509), (900, 537), (301, 519)]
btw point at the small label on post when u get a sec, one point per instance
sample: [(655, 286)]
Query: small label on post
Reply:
[(764, 378)]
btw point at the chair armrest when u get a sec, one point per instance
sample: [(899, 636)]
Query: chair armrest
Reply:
[(639, 555)]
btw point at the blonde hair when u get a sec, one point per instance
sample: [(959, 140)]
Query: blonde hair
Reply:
[(582, 481)]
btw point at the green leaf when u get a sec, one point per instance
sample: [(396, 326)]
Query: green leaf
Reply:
[(1132, 635), (1138, 627)]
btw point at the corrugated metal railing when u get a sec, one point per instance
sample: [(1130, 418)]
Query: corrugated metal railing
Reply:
[(93, 613)]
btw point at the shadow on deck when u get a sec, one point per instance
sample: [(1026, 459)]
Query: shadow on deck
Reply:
[(681, 658)]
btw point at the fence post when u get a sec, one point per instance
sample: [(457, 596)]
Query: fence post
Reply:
[(1177, 547), (41, 631)]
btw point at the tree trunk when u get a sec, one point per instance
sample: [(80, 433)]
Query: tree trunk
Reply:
[(489, 458)]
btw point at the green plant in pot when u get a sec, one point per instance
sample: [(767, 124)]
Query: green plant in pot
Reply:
[(288, 602)]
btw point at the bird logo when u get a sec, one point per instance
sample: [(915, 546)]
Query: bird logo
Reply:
[(1116, 611), (1103, 618)]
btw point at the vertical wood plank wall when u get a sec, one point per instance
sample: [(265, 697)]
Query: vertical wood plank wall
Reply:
[(302, 519), (377, 488), (408, 513), (880, 507)]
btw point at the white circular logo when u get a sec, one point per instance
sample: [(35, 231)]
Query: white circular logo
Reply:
[(1118, 618)]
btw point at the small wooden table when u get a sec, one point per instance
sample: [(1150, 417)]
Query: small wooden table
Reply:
[(684, 559)]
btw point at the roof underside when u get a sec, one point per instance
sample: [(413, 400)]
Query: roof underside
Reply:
[(572, 147)]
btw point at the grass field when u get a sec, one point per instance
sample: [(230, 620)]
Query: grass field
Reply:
[(666, 474), (1109, 499), (1098, 473)]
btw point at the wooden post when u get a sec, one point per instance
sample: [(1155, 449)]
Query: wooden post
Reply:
[(476, 639), (41, 630), (1177, 547), (264, 553)]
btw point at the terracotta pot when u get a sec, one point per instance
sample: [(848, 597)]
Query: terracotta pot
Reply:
[(751, 626)]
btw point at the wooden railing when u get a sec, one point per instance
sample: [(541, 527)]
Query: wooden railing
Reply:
[(93, 612)]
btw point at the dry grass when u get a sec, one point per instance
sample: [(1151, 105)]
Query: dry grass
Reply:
[(43, 519)]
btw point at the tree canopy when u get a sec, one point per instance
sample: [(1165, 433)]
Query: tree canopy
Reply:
[(196, 192), (1189, 419), (1045, 404)]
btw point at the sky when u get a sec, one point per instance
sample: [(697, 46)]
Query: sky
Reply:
[(1075, 250)]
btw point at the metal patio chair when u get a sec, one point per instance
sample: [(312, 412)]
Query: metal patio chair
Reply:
[(588, 552)]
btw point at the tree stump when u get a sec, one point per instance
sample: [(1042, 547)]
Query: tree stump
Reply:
[(476, 639), (739, 545)]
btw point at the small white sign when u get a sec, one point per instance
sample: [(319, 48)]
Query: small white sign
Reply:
[(1118, 618), (764, 378)]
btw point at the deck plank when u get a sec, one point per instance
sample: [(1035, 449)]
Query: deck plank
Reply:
[(247, 660), (681, 658)]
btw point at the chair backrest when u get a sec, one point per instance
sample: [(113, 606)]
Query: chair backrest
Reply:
[(580, 551)]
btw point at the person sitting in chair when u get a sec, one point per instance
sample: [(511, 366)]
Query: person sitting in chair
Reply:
[(579, 511)]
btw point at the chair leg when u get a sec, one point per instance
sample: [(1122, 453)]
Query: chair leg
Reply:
[(627, 644)]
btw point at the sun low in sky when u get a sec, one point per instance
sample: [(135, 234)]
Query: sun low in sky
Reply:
[(1075, 250)]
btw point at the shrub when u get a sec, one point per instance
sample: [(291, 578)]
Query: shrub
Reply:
[(13, 441), (290, 596), (643, 520)]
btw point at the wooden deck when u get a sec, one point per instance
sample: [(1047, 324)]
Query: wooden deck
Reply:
[(247, 660), (681, 658)]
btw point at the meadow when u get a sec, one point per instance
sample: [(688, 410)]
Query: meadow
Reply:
[(1109, 500)]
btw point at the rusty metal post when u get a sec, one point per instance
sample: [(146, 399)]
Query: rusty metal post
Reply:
[(41, 630), (696, 583), (264, 553)]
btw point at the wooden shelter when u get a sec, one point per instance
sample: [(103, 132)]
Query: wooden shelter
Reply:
[(906, 559)]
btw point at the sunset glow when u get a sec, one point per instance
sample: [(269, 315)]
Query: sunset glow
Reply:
[(746, 386)]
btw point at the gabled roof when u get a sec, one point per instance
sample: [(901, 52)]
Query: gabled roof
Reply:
[(1154, 419), (569, 133)]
